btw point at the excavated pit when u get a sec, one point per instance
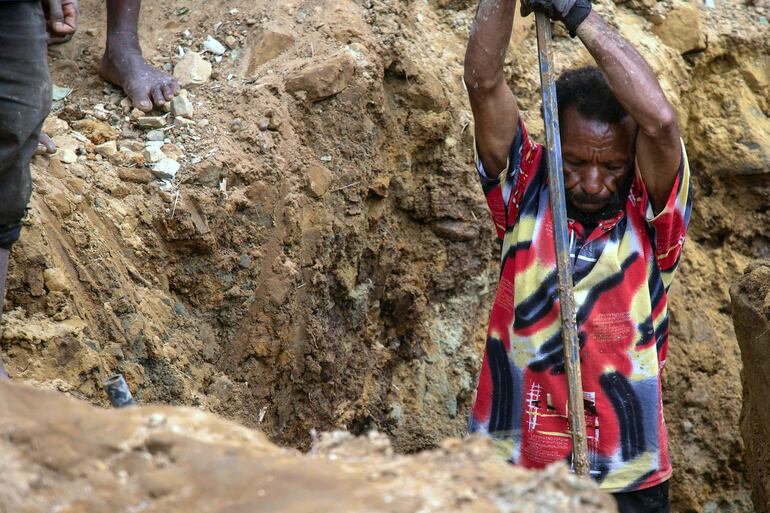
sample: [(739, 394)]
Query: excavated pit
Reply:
[(324, 259)]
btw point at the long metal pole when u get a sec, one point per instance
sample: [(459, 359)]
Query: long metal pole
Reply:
[(577, 420)]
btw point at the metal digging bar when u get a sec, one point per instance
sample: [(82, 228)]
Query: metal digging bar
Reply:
[(577, 420)]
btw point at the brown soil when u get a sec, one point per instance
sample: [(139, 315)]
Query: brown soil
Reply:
[(64, 455), (751, 312), (330, 264)]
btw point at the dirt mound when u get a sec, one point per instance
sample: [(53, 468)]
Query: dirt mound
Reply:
[(323, 258), (64, 455), (751, 313)]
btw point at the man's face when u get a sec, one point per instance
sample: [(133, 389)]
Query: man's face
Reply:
[(598, 164)]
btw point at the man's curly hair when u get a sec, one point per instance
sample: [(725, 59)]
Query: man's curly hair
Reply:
[(587, 89)]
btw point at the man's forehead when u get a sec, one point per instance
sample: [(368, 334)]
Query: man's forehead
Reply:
[(599, 134)]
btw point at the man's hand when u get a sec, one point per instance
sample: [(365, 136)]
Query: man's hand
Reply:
[(570, 12), (62, 17)]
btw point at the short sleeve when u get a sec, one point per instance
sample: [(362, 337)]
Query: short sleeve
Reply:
[(670, 224), (504, 194)]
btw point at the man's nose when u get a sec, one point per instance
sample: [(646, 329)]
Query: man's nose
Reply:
[(592, 181)]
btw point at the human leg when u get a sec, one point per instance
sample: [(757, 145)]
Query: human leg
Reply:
[(123, 63), (650, 500), (25, 100)]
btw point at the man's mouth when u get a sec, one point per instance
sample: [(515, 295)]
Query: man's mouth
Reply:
[(588, 203)]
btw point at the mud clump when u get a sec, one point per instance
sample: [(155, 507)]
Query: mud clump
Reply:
[(751, 314), (62, 454), (323, 256)]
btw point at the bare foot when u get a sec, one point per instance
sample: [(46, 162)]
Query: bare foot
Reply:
[(45, 145), (147, 87)]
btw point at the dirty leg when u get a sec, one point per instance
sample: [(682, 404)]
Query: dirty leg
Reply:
[(123, 63)]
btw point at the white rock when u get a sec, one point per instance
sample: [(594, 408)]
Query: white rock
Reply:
[(181, 106), (55, 280), (214, 46), (192, 70), (153, 154), (155, 135), (108, 149), (67, 156), (166, 169), (181, 122)]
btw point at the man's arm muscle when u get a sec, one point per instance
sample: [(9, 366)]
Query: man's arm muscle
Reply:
[(495, 113), (632, 81)]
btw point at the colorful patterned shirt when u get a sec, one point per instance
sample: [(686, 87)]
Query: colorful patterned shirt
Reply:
[(622, 271)]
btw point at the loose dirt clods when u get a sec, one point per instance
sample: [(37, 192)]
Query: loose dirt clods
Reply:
[(333, 266)]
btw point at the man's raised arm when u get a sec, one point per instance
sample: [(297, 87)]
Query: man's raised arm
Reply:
[(495, 113), (632, 81)]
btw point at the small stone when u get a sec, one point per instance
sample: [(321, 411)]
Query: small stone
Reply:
[(251, 22), (125, 104), (172, 151), (682, 29), (214, 46), (236, 124), (710, 507), (275, 123), (108, 149), (97, 131), (155, 135), (67, 156), (322, 80), (264, 124), (203, 123), (129, 157), (318, 179), (245, 261), (54, 126), (231, 42), (687, 426), (55, 280), (130, 144), (455, 230), (380, 185), (181, 122), (151, 122), (153, 154), (182, 106), (166, 169), (100, 112), (270, 45), (135, 175), (192, 70), (136, 114)]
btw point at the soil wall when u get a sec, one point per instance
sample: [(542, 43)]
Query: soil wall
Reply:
[(751, 314)]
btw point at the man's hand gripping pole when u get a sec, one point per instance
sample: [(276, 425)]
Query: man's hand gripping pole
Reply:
[(577, 419)]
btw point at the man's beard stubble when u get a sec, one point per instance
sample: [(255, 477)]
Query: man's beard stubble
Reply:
[(615, 203)]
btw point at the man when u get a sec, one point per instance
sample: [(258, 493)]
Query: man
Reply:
[(123, 63), (25, 99), (627, 182)]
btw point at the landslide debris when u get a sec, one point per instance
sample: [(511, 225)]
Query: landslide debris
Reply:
[(61, 454)]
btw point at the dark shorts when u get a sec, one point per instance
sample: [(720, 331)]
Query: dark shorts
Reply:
[(25, 100), (649, 500)]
